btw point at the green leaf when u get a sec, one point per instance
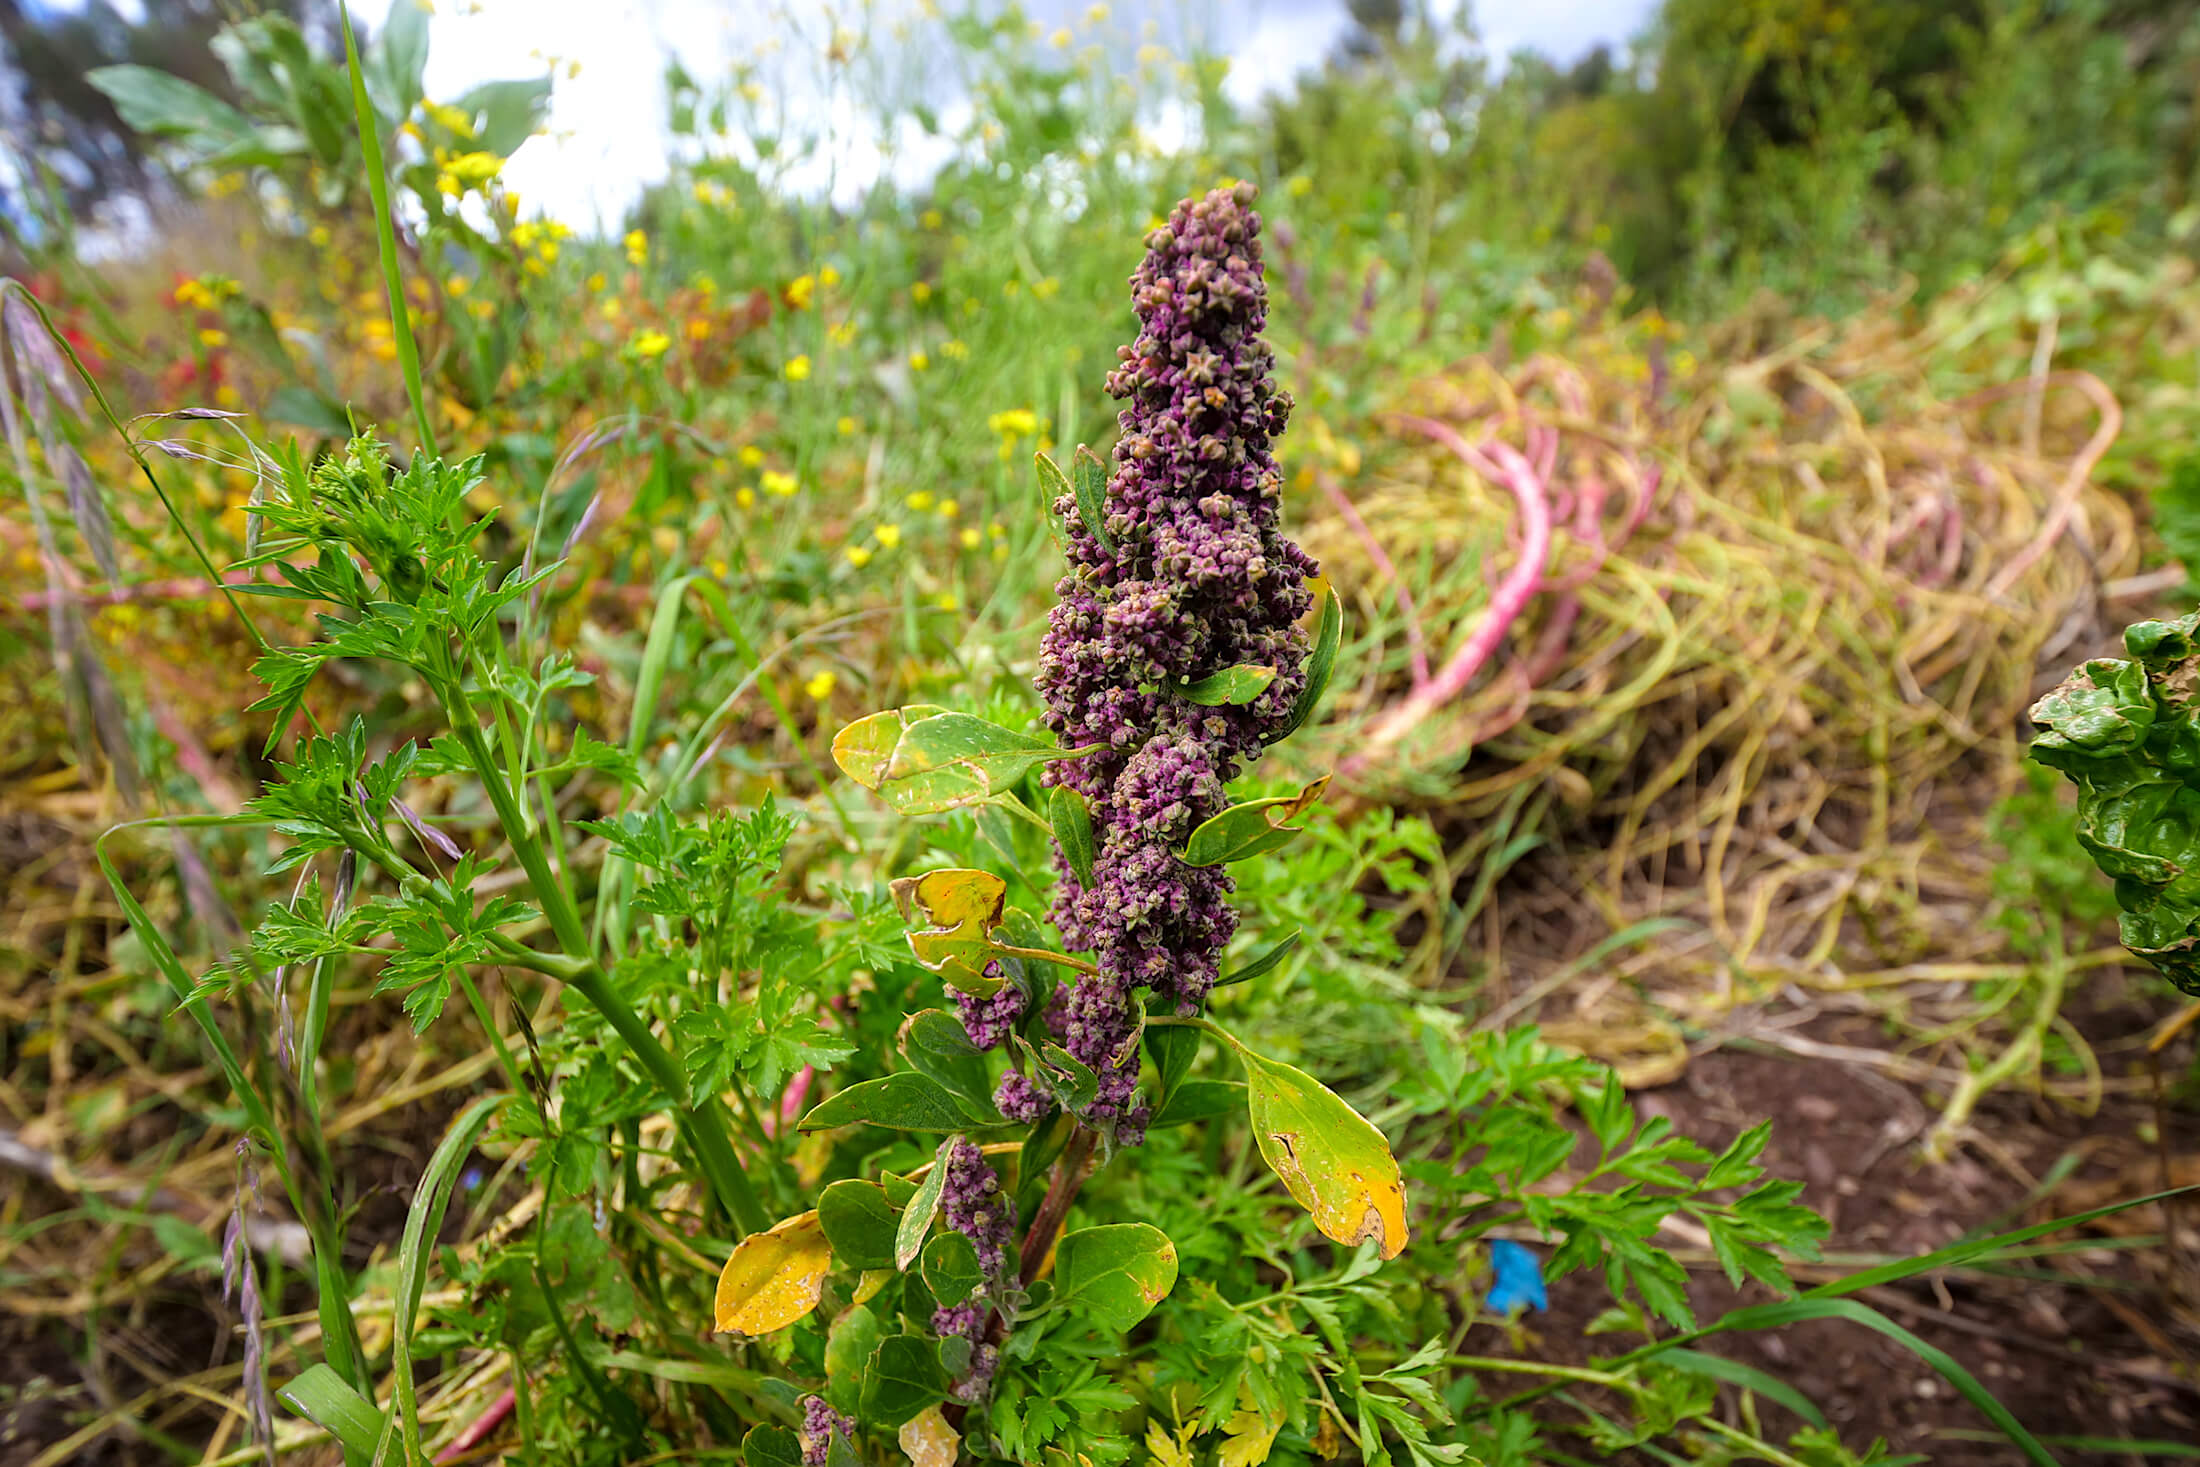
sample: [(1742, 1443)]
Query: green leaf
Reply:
[(1073, 832), (916, 1218), (1321, 661), (904, 1102), (1265, 963), (1201, 1100), (1116, 1273), (859, 1223), (2127, 734), (151, 101), (1251, 829), (961, 908), (1330, 1157), (1174, 1047), (506, 113), (1088, 491), (951, 1269), (1233, 686), (923, 759), (1749, 1378), (771, 1446), (320, 1395), (902, 1379), (936, 1044), (849, 1346), (398, 59)]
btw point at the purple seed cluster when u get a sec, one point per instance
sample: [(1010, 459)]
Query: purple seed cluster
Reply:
[(989, 1020), (1194, 577), (973, 1204), (819, 1422), (968, 1321)]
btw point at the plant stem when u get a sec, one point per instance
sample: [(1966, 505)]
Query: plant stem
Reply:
[(1062, 1187), (704, 1126)]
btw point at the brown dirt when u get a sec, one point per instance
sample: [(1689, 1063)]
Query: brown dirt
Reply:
[(2110, 1349)]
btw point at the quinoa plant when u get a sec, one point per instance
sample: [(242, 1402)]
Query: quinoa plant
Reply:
[(1177, 652)]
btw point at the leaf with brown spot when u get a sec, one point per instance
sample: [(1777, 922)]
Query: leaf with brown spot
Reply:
[(1333, 1160), (774, 1278), (962, 908)]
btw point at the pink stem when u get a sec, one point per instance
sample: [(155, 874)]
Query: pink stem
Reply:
[(1501, 463), (478, 1430)]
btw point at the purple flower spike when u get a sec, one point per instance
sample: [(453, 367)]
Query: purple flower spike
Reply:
[(819, 1423), (973, 1204), (1196, 578)]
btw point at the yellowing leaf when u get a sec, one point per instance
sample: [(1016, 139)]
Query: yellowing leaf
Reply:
[(929, 1441), (774, 1278), (1333, 1160), (962, 908), (1167, 1450), (1251, 1438)]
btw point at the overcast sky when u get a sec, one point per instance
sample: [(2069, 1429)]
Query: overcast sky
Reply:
[(607, 135)]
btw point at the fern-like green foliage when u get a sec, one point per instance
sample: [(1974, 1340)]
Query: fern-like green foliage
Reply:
[(2128, 735)]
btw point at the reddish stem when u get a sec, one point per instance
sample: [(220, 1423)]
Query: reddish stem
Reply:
[(479, 1429), (1069, 1175), (1504, 464)]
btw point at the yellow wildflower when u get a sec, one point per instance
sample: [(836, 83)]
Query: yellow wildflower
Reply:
[(922, 499), (949, 509), (921, 292), (745, 497), (827, 276), (637, 248), (457, 285), (647, 345), (783, 485), (970, 537), (1015, 423), (751, 456), (595, 282), (450, 119), (799, 291), (888, 536), (820, 687), (918, 361), (797, 369), (318, 236), (211, 337), (846, 427), (841, 333), (473, 169), (997, 530), (859, 556)]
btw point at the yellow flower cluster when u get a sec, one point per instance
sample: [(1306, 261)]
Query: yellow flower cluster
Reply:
[(462, 173), (637, 248), (797, 369), (205, 293), (646, 346)]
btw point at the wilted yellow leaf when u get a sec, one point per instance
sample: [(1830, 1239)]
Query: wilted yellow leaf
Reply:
[(962, 907), (1167, 1450), (774, 1278), (929, 1440)]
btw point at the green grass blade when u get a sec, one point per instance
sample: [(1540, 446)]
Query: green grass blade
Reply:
[(1797, 1311), (1748, 1377), (664, 626), (422, 1224), (1965, 1251), (385, 229), (321, 1396)]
